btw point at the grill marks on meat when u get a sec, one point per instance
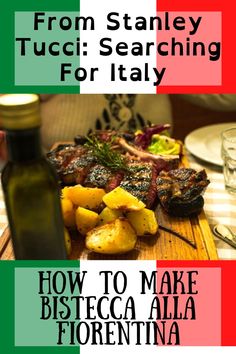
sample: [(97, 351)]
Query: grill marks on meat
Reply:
[(141, 182), (115, 181), (72, 163), (179, 191), (98, 176), (76, 165), (60, 156), (77, 169), (183, 183), (102, 177)]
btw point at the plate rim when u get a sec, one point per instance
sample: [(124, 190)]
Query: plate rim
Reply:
[(199, 156)]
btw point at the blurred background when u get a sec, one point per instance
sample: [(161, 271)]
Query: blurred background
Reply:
[(188, 116)]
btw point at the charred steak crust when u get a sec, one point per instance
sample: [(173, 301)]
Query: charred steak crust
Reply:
[(138, 181), (102, 177), (72, 163), (180, 191), (98, 176), (76, 165)]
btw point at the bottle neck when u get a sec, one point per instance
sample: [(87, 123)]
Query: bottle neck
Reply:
[(24, 145)]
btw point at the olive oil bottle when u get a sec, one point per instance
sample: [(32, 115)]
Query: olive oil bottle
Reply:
[(30, 185)]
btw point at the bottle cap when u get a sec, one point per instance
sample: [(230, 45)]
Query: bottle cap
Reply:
[(19, 111)]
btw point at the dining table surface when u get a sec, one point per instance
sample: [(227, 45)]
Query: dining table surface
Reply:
[(220, 208)]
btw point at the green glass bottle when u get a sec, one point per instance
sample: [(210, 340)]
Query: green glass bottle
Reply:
[(30, 185)]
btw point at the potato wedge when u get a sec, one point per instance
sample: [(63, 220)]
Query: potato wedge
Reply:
[(85, 220), (120, 199), (115, 237), (64, 192), (144, 222), (108, 215), (89, 198), (67, 242), (68, 212)]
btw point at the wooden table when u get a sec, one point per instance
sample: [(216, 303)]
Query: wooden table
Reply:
[(6, 251)]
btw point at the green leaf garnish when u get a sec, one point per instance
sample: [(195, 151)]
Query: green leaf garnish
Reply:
[(105, 154)]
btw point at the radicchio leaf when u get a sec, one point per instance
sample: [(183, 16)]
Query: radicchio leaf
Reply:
[(144, 139)]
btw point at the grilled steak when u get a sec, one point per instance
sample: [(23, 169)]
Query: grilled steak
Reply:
[(61, 155), (75, 164), (179, 191), (102, 177), (72, 163), (141, 182), (77, 169), (98, 176)]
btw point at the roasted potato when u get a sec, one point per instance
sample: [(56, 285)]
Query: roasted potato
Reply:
[(89, 198), (115, 237), (85, 220), (120, 199), (64, 192), (67, 242), (68, 212), (108, 215), (144, 222)]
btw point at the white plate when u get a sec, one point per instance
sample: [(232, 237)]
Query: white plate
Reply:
[(205, 142)]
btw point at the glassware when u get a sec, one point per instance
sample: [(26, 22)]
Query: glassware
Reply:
[(228, 153)]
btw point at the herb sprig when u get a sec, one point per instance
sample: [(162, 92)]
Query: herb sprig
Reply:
[(106, 155)]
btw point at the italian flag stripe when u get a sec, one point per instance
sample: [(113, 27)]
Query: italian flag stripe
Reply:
[(93, 306), (107, 71), (167, 58), (117, 47)]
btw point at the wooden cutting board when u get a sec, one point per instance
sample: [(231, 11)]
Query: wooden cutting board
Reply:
[(163, 246)]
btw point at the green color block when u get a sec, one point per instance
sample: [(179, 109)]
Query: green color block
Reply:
[(42, 70), (18, 298), (7, 59)]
